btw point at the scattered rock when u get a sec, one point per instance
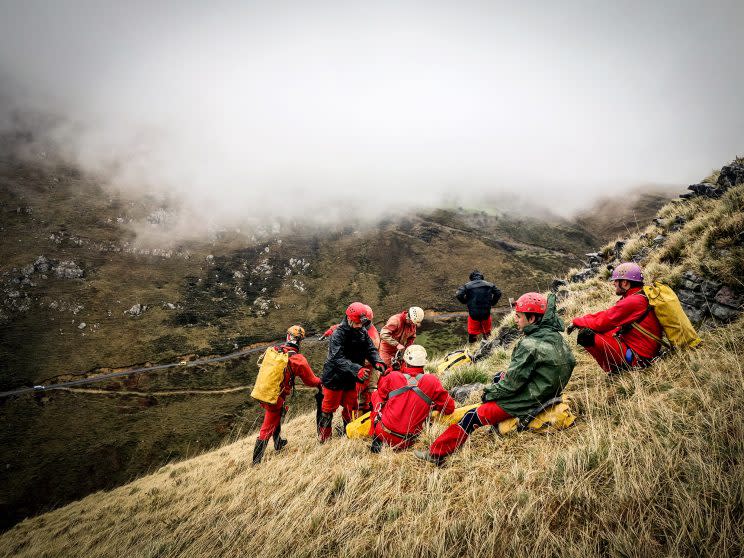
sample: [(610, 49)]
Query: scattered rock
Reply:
[(68, 270), (42, 265), (583, 275), (461, 393), (728, 297), (703, 189), (724, 313), (136, 310), (556, 284), (169, 306), (82, 325), (659, 240)]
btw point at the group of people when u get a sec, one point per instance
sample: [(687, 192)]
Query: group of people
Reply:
[(384, 372)]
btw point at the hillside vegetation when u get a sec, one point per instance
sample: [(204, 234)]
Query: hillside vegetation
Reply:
[(653, 466)]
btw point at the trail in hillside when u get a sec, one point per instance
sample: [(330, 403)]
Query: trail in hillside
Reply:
[(176, 392)]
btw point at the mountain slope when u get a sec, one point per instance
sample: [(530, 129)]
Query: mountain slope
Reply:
[(653, 467)]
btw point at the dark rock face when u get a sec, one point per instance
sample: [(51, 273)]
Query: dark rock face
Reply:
[(731, 175), (702, 297), (583, 275)]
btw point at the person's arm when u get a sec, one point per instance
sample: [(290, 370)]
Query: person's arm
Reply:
[(441, 400), (301, 367), (390, 332), (626, 310), (495, 295), (462, 294), (373, 355), (517, 375)]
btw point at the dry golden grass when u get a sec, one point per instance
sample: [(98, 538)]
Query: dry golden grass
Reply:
[(653, 468)]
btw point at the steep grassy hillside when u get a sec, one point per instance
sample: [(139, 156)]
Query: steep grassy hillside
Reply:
[(653, 467)]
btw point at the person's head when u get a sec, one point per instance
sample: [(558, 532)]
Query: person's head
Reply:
[(295, 334), (529, 309), (415, 355), (357, 315), (416, 315), (475, 274), (626, 276)]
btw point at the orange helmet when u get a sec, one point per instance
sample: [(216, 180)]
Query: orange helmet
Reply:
[(534, 303), (295, 334)]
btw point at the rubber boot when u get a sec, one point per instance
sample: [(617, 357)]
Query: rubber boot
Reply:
[(258, 450), (324, 427), (279, 442), (448, 442)]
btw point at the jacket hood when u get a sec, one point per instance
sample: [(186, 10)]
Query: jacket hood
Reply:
[(550, 321)]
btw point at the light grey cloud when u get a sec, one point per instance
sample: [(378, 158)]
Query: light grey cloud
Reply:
[(326, 109)]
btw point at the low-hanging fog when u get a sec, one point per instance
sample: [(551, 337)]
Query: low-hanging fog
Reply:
[(351, 109)]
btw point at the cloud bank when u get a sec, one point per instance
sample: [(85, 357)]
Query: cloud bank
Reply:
[(327, 110)]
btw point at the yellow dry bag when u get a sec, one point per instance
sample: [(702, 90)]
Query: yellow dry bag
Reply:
[(270, 375), (454, 359), (359, 427), (677, 327), (555, 415)]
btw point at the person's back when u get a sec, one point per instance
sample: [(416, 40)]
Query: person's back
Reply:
[(480, 296), (407, 412)]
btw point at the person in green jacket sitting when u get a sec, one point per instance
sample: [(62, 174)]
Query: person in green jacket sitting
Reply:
[(540, 368)]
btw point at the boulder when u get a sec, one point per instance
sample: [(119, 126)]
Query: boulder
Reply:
[(731, 175), (556, 284), (727, 297), (136, 310), (619, 247), (462, 393), (724, 313), (659, 240), (695, 314), (583, 275)]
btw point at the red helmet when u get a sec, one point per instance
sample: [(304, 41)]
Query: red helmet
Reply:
[(370, 314), (534, 303), (357, 312)]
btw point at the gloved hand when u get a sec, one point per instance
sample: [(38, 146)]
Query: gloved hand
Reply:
[(380, 367), (363, 375), (570, 329)]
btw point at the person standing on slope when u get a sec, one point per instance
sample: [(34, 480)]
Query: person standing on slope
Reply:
[(540, 367), (349, 347), (627, 335), (399, 332), (480, 296), (297, 365), (371, 329), (403, 401)]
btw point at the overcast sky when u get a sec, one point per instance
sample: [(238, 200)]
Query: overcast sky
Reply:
[(333, 108)]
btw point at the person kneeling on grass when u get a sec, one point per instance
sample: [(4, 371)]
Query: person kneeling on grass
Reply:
[(540, 367), (403, 401)]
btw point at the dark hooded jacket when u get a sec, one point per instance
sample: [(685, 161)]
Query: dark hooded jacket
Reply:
[(479, 295), (348, 348), (540, 367)]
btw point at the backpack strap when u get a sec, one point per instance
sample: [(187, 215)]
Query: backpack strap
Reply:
[(412, 385)]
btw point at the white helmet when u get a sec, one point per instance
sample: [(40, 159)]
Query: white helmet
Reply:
[(415, 355), (416, 315)]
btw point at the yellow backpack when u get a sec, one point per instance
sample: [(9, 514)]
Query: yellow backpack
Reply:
[(552, 416), (453, 360), (270, 375), (677, 326)]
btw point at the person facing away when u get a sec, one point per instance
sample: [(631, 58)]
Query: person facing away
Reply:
[(399, 332), (626, 335), (480, 296), (297, 366), (348, 349), (403, 401), (540, 367)]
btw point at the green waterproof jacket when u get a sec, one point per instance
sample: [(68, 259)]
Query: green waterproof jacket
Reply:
[(540, 367)]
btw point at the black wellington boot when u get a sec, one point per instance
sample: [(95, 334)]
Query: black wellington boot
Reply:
[(258, 450), (279, 442)]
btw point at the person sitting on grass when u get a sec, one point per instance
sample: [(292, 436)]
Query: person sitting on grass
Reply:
[(540, 367)]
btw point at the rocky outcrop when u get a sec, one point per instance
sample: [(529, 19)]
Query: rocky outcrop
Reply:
[(462, 393), (136, 310), (702, 298)]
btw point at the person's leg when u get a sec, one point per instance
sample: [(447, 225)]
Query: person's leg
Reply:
[(350, 406), (331, 401), (280, 442), (487, 324), (451, 439), (606, 349), (271, 422)]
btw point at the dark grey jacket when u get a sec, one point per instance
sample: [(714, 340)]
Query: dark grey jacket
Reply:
[(480, 296), (348, 348)]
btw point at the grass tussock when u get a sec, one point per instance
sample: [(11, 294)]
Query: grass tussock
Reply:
[(654, 463)]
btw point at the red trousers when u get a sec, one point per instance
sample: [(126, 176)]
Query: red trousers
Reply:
[(612, 354), (487, 414), (333, 398), (272, 418), (396, 442), (478, 327)]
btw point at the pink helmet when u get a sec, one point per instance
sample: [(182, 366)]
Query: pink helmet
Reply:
[(629, 271), (534, 303)]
